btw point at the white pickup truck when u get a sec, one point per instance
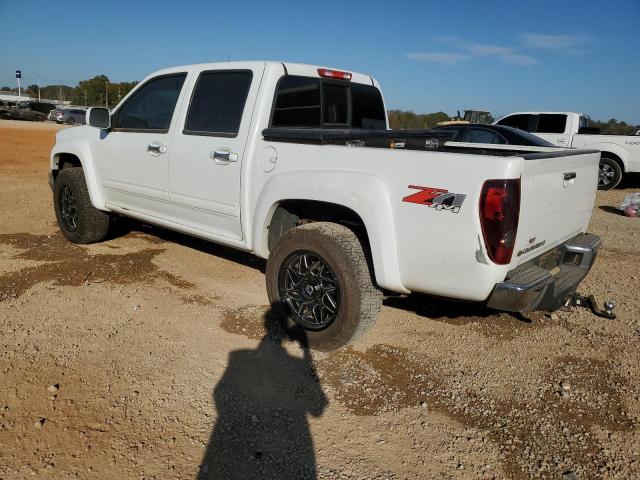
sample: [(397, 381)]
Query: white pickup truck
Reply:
[(295, 163), (620, 153)]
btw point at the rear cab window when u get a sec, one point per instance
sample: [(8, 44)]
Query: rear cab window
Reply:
[(307, 102)]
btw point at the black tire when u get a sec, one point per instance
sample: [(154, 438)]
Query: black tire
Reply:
[(610, 174), (359, 299), (77, 218), (70, 121)]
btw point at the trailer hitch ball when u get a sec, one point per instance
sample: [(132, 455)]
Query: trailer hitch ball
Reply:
[(609, 305)]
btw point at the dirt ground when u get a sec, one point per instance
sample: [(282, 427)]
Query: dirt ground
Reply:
[(147, 356)]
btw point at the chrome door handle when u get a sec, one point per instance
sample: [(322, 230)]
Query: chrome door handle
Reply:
[(156, 148), (223, 156)]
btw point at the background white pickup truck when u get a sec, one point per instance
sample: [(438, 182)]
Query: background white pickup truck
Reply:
[(295, 164), (620, 153)]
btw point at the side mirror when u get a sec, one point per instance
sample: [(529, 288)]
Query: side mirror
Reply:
[(98, 117)]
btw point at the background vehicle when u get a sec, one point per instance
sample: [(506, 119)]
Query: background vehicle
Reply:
[(620, 153), (22, 111), (4, 110), (494, 134), (470, 116), (295, 164), (42, 107), (70, 116)]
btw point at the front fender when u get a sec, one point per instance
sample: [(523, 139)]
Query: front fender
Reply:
[(82, 150), (363, 193)]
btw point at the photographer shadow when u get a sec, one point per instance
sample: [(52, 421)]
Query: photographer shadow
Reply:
[(262, 400)]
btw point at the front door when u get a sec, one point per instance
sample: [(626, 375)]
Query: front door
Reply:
[(206, 157), (133, 155)]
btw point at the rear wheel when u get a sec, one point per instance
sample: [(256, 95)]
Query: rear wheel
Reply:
[(610, 174), (71, 121), (318, 279), (77, 218)]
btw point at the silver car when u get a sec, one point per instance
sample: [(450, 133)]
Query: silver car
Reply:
[(70, 116)]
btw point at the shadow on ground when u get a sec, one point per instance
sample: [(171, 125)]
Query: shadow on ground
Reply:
[(448, 311), (263, 400), (155, 234), (610, 209)]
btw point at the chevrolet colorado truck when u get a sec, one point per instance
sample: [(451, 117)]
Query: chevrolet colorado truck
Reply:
[(620, 153), (296, 164)]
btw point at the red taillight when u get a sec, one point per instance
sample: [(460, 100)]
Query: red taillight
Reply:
[(338, 75), (499, 211)]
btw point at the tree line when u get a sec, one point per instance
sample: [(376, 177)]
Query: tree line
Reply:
[(98, 91)]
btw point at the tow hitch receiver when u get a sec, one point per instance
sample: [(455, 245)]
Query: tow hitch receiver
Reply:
[(590, 302)]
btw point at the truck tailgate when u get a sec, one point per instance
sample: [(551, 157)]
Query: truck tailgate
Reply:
[(558, 191)]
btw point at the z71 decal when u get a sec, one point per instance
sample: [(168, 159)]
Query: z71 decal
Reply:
[(437, 198)]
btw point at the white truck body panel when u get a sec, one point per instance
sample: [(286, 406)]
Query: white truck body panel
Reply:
[(414, 247), (625, 147)]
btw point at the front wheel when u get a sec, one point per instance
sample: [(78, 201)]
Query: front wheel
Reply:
[(610, 174), (78, 219), (318, 279)]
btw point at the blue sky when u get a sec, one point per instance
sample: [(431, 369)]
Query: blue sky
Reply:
[(428, 55)]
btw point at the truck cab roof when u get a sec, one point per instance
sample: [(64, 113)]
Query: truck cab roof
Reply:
[(288, 68)]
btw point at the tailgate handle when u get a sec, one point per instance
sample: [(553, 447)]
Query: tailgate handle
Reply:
[(570, 175)]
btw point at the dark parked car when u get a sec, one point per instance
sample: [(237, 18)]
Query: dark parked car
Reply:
[(492, 134), (22, 111), (42, 107)]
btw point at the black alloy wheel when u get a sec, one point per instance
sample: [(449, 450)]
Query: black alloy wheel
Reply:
[(310, 288)]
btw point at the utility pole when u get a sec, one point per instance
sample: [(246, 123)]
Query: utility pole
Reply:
[(85, 96), (38, 88), (106, 90)]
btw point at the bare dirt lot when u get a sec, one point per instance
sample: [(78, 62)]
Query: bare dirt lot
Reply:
[(147, 356)]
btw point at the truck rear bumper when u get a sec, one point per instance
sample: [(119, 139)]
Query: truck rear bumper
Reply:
[(548, 281)]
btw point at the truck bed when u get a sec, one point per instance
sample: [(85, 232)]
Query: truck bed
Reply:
[(426, 140)]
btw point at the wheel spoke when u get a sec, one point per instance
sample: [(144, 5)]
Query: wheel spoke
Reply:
[(310, 288)]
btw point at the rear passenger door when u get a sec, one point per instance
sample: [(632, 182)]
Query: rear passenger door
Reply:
[(208, 150), (553, 128)]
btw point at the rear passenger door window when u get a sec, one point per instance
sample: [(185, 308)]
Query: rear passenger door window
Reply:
[(520, 121), (150, 108), (551, 123), (217, 103)]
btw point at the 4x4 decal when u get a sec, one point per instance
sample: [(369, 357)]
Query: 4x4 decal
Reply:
[(437, 198)]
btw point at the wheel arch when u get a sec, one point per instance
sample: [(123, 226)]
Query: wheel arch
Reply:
[(67, 154), (359, 201), (616, 158)]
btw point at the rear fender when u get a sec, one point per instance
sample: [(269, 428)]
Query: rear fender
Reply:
[(365, 194), (617, 150)]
